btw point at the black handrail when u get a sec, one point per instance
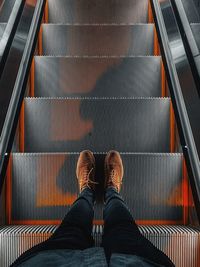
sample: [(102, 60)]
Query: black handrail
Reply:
[(12, 116), (185, 131), (9, 32), (189, 42)]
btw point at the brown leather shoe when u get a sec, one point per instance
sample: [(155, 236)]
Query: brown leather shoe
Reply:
[(114, 170), (85, 170)]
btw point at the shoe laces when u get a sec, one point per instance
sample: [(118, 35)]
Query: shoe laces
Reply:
[(85, 177), (114, 177)]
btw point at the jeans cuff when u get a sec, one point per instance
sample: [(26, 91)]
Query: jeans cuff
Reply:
[(111, 193)]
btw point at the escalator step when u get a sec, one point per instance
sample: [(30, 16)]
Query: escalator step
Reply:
[(48, 184), (97, 76), (178, 242), (95, 11), (99, 124), (97, 40)]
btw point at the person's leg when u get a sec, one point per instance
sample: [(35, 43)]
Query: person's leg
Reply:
[(121, 234), (75, 231), (76, 228)]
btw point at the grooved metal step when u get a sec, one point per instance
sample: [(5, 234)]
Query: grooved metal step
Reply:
[(180, 243), (97, 76), (92, 40), (95, 11), (70, 125), (43, 186)]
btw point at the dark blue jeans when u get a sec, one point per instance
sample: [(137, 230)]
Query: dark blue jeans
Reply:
[(121, 234)]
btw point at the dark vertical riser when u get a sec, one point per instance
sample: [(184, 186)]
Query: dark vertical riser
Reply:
[(72, 125), (97, 77), (152, 186), (95, 11), (101, 40)]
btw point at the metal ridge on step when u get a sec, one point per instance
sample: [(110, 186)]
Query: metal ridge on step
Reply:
[(97, 56), (97, 98), (153, 229), (96, 24), (97, 153)]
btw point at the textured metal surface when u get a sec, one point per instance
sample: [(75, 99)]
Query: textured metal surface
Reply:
[(69, 76), (196, 31), (48, 184), (2, 28), (191, 10), (180, 243), (72, 125), (102, 77), (6, 10), (115, 40), (95, 11)]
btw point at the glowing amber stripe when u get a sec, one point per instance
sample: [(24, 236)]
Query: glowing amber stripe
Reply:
[(95, 222), (150, 14), (156, 44), (46, 13), (158, 222)]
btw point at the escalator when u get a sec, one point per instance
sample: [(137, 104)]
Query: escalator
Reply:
[(97, 81)]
